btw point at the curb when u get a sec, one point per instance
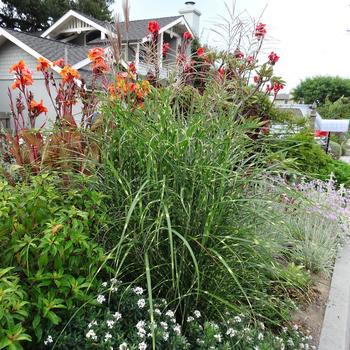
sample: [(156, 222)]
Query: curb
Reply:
[(335, 333)]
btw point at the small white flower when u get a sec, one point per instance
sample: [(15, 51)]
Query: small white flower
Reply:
[(301, 346), (164, 325), (177, 329), (157, 312), (260, 336), (110, 324), (117, 316), (108, 336), (261, 325), (256, 347), (170, 314), (295, 327), (284, 329), (218, 337), (48, 340), (138, 290), (142, 346), (231, 332), (114, 289), (166, 336), (101, 298), (173, 320), (141, 324), (91, 335), (123, 346), (92, 323), (197, 314), (141, 303), (290, 342), (237, 319), (104, 284), (190, 319), (114, 281)]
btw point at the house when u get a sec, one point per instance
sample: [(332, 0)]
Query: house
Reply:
[(73, 35), (283, 99)]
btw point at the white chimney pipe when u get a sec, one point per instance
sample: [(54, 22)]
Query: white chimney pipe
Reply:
[(192, 16)]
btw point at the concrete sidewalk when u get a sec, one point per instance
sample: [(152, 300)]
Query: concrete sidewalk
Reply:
[(335, 334)]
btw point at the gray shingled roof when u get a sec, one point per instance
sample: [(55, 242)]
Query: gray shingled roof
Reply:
[(138, 29), (52, 49)]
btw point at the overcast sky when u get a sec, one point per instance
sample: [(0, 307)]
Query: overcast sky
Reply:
[(309, 35)]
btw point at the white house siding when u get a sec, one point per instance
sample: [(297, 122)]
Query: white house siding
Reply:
[(10, 54)]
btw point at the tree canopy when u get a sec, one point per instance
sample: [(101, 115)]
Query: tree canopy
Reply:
[(38, 15), (321, 88)]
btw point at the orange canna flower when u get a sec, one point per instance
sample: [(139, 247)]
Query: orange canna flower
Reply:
[(37, 107), (111, 90), (96, 53), (18, 67), (59, 63), (43, 65), (100, 66), (68, 74), (16, 84), (23, 75)]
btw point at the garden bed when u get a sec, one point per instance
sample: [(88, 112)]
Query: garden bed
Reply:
[(310, 315)]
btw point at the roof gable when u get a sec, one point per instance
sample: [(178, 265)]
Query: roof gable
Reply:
[(51, 49)]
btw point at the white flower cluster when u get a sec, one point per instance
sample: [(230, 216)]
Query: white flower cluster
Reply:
[(91, 335), (141, 332), (101, 299), (138, 290), (141, 303), (48, 340)]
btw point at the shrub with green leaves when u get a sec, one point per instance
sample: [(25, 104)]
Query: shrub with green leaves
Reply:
[(47, 238), (13, 311)]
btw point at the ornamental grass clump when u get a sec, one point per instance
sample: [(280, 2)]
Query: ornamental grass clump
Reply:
[(313, 224)]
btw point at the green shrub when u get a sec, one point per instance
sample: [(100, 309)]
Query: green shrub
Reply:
[(13, 311), (302, 153), (339, 109), (47, 236)]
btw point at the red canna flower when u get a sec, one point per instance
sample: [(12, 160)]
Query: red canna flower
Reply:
[(200, 51), (68, 74), (187, 36), (153, 27), (239, 54), (59, 63), (37, 107), (277, 87), (260, 31), (43, 65), (273, 58), (221, 71), (257, 79), (250, 60), (132, 68), (165, 49)]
